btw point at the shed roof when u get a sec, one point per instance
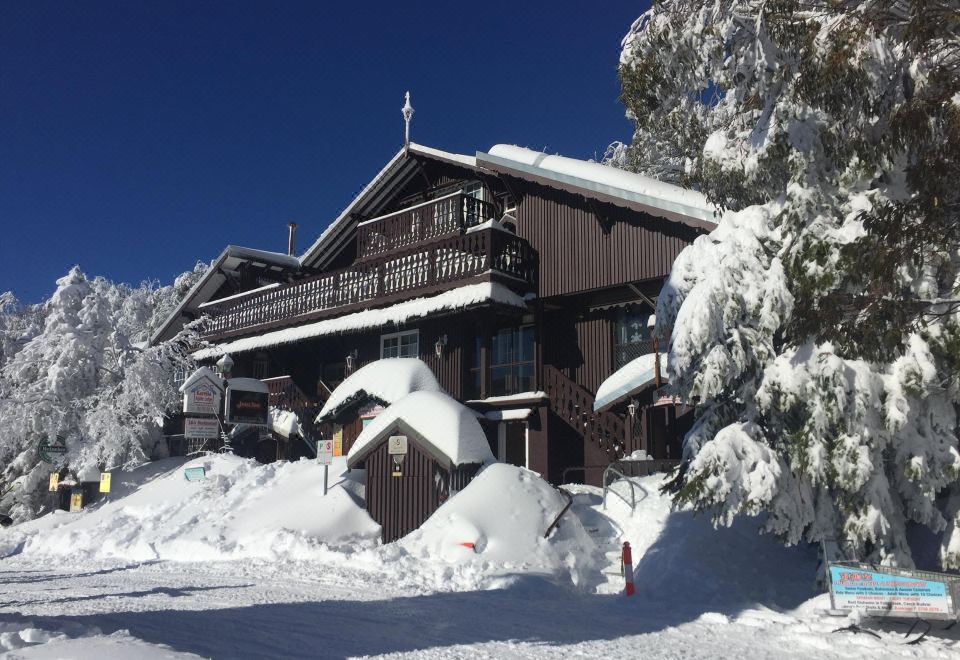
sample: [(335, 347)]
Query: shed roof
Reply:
[(387, 380), (628, 380), (445, 428)]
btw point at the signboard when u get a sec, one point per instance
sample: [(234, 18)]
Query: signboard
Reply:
[(201, 398), (195, 473), (248, 402), (338, 440), (325, 452), (76, 501), (397, 444), (104, 482), (48, 448), (881, 591), (54, 480), (201, 428)]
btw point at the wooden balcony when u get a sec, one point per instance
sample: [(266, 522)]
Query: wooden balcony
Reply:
[(422, 269), (447, 216)]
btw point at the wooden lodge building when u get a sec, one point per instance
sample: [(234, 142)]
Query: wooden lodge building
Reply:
[(523, 280)]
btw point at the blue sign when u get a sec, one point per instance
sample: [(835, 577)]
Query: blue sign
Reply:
[(872, 591), (195, 473)]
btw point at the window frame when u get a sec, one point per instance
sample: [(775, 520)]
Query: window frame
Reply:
[(399, 337)]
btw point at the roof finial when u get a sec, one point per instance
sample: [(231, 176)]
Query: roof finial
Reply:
[(407, 116)]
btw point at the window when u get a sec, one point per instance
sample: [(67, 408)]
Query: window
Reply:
[(632, 334), (508, 204), (400, 344), (511, 361), (474, 189)]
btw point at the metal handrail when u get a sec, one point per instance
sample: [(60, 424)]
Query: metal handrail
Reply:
[(633, 486), (556, 521)]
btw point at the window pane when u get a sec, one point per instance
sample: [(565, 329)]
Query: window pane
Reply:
[(525, 377), (500, 381), (526, 344)]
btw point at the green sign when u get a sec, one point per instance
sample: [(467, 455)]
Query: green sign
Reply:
[(46, 448), (195, 473)]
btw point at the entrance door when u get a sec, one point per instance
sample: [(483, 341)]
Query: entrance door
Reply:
[(512, 446)]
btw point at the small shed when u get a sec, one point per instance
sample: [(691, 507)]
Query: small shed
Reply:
[(417, 453)]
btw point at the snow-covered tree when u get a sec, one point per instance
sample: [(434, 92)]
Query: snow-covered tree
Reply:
[(85, 375), (816, 327)]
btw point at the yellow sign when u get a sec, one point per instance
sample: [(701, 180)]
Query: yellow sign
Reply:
[(104, 482), (54, 480), (76, 502), (338, 441)]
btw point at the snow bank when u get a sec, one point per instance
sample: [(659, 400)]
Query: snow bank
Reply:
[(388, 380), (465, 296), (445, 423), (629, 377), (497, 525), (284, 422), (241, 510), (77, 642)]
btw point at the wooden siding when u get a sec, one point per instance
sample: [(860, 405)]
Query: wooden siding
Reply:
[(400, 504), (587, 245)]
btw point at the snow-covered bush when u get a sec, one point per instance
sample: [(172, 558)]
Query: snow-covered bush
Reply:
[(816, 327)]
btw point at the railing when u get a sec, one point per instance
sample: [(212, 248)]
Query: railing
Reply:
[(627, 351), (612, 470), (286, 395), (446, 216), (574, 404), (441, 262)]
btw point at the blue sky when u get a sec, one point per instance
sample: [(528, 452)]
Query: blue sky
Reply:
[(137, 137)]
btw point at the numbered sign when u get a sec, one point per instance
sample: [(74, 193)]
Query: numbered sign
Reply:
[(104, 482), (76, 502), (325, 452)]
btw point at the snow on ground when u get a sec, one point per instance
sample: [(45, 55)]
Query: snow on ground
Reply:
[(701, 593)]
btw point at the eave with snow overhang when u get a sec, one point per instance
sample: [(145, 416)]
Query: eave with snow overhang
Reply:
[(224, 267), (454, 300), (601, 182)]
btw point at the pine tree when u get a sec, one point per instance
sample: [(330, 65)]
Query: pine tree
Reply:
[(816, 328)]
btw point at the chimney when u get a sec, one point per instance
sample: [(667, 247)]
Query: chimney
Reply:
[(291, 238)]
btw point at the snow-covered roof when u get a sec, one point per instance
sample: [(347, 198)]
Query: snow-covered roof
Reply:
[(508, 414), (373, 197), (203, 373), (465, 296), (445, 428), (628, 379), (602, 182), (89, 473), (387, 380), (521, 397), (211, 281)]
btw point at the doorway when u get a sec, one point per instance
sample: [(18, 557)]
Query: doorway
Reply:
[(512, 445)]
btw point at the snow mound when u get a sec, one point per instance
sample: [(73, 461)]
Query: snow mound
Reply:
[(78, 642), (388, 380), (681, 560), (497, 525), (443, 422), (241, 510)]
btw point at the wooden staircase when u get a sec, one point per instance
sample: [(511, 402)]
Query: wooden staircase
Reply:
[(286, 395), (574, 404)]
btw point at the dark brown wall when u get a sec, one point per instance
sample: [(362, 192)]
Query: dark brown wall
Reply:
[(400, 504), (586, 246)]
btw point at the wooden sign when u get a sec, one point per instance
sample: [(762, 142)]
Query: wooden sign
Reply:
[(104, 482), (54, 481)]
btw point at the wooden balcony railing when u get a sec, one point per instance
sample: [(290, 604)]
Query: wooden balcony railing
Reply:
[(390, 278), (446, 216)]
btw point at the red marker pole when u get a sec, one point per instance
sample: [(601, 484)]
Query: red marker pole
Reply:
[(628, 568)]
